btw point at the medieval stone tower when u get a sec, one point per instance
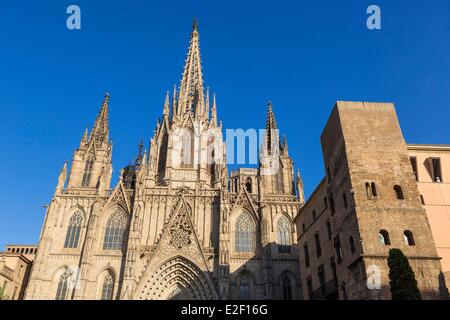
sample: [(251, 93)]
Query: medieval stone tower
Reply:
[(176, 225)]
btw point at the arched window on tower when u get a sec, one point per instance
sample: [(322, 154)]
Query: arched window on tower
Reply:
[(115, 231), (108, 286), (162, 157), (409, 238), (284, 235), (62, 291), (374, 189), (74, 230), (87, 173), (399, 192), (245, 235), (187, 149), (383, 237), (211, 160), (368, 190), (248, 185)]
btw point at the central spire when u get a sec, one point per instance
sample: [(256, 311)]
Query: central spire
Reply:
[(191, 97), (100, 130), (272, 138)]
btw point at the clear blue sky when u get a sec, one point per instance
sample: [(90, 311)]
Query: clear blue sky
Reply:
[(302, 55)]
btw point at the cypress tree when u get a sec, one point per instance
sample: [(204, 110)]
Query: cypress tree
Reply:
[(402, 279)]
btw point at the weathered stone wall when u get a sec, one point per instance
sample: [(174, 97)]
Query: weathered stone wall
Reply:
[(364, 149)]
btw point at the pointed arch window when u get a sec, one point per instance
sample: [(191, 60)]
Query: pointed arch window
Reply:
[(74, 230), (245, 233), (244, 288), (284, 235), (287, 287), (87, 173), (108, 287), (162, 157), (115, 231), (187, 149), (63, 286), (211, 158)]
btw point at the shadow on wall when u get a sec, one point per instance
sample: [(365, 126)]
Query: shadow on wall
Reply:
[(272, 273), (443, 288), (249, 282)]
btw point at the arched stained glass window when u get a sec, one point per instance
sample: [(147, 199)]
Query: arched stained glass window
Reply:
[(63, 285), (87, 173), (284, 235), (108, 287), (74, 230), (245, 233), (187, 149), (115, 231)]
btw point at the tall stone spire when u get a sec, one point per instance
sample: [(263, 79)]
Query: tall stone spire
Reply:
[(166, 108), (299, 182), (174, 101), (270, 117), (84, 139), (62, 178), (207, 103), (213, 122), (284, 147), (272, 137), (191, 86), (100, 132)]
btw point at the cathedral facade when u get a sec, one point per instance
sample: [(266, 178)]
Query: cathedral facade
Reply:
[(176, 225)]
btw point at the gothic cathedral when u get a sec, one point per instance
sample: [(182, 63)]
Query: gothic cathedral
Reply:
[(176, 225)]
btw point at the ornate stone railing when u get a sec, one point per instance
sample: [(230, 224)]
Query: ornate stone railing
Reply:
[(7, 272), (79, 192)]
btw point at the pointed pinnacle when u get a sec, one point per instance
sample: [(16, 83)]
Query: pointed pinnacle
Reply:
[(299, 176), (100, 130), (166, 105), (270, 117), (84, 138), (174, 100), (195, 25), (191, 95), (64, 168), (214, 112), (207, 103)]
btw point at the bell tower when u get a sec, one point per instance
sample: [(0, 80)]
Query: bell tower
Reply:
[(187, 147), (92, 161)]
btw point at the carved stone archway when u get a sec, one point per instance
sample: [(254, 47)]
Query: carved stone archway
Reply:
[(176, 278)]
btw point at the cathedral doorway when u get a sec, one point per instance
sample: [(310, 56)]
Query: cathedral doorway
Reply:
[(177, 278), (179, 293)]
